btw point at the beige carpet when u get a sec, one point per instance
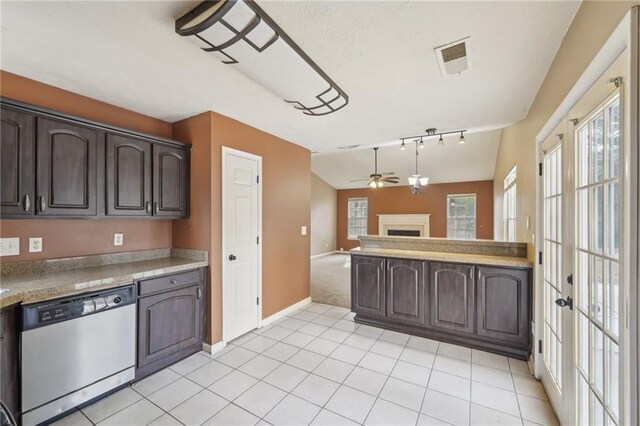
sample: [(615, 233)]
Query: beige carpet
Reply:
[(331, 280)]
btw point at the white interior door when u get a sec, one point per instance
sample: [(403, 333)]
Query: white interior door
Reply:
[(598, 264), (241, 263)]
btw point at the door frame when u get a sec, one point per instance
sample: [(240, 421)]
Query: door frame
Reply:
[(625, 36), (224, 151)]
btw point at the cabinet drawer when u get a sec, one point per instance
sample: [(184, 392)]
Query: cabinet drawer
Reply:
[(169, 282)]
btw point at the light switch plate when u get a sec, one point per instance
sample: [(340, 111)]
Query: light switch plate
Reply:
[(118, 239), (303, 230), (9, 246), (35, 245)]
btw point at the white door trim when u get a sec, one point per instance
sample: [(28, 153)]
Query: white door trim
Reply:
[(258, 159)]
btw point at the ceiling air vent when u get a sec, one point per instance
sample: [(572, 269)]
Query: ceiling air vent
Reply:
[(452, 57)]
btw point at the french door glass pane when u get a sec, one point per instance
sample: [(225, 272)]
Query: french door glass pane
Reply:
[(583, 218), (613, 382), (583, 156), (597, 359), (613, 219), (583, 344), (597, 221), (597, 149), (613, 296), (597, 289), (582, 277), (613, 133)]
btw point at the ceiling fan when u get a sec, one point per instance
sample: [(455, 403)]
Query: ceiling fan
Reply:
[(376, 180)]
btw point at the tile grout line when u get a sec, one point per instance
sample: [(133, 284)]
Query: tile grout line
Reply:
[(424, 396)]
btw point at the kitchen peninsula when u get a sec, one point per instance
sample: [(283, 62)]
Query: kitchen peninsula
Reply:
[(475, 293)]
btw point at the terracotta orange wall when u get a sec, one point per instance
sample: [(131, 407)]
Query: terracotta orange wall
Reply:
[(286, 194), (63, 238), (399, 200)]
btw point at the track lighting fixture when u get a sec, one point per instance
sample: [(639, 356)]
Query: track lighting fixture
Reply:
[(431, 132)]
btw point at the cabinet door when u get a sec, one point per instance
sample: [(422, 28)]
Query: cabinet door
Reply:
[(406, 291), (17, 168), (128, 176), (67, 169), (368, 285), (169, 324), (452, 297), (503, 304), (170, 181)]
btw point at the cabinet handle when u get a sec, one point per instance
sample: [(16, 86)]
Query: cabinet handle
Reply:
[(27, 203), (156, 208), (43, 203), (172, 281), (199, 293), (147, 207), (382, 264)]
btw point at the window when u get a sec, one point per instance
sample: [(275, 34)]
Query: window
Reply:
[(461, 216), (509, 206), (357, 217)]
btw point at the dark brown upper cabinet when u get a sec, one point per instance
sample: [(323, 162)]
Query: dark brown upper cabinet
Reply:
[(66, 169), (170, 181), (368, 286), (406, 288), (503, 304), (128, 176), (452, 297), (17, 157)]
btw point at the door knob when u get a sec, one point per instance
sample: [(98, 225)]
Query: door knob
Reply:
[(232, 257), (565, 302)]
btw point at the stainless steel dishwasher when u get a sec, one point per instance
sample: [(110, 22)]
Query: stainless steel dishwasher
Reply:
[(75, 349)]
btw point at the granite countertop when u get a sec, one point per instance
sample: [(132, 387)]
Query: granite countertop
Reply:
[(36, 284), (516, 262)]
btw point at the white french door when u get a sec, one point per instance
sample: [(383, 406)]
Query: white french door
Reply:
[(581, 295), (557, 342), (598, 221)]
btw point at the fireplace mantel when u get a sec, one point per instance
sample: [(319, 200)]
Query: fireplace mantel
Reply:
[(404, 222)]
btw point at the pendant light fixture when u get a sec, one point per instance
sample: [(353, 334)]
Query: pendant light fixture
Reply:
[(417, 182), (461, 141)]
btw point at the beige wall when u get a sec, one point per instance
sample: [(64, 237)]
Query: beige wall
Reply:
[(286, 193), (324, 204), (593, 24)]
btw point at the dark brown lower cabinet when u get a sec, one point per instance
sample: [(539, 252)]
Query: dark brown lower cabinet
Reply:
[(10, 360), (406, 290), (478, 306), (170, 320), (502, 300), (368, 285), (452, 297)]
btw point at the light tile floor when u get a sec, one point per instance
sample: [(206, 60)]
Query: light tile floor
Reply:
[(318, 367)]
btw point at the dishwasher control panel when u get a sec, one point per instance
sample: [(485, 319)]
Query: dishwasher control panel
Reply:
[(51, 311)]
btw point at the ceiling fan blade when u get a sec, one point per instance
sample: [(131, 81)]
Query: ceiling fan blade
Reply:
[(359, 180), (391, 180), (388, 173)]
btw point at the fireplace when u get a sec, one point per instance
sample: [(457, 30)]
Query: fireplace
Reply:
[(403, 232), (412, 225)]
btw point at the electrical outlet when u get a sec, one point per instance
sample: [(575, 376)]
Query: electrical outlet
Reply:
[(303, 230), (9, 246), (35, 245), (118, 239)]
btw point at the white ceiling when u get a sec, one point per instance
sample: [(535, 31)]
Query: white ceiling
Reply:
[(475, 160), (380, 53)]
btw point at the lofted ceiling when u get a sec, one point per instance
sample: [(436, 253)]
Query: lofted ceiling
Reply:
[(379, 52), (473, 161)]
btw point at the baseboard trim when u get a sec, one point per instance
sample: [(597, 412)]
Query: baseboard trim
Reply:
[(212, 349), (315, 256), (272, 318)]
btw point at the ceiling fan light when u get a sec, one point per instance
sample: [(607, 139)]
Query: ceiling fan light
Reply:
[(380, 184), (412, 180), (373, 184), (424, 181)]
